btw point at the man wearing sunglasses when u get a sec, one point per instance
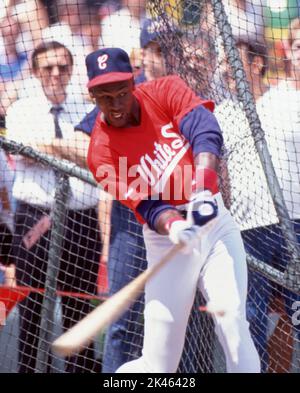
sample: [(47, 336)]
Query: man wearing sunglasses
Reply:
[(46, 122)]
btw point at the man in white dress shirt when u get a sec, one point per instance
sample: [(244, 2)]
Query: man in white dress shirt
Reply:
[(46, 122)]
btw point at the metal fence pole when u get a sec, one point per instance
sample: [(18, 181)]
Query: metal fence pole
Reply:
[(58, 216), (292, 272), (63, 166)]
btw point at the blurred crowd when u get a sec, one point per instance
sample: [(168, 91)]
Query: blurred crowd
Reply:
[(267, 35), (86, 25)]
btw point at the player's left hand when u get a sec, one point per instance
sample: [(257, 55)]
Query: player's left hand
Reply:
[(181, 231), (202, 208)]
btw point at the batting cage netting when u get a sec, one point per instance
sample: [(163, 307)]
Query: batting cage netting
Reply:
[(66, 245)]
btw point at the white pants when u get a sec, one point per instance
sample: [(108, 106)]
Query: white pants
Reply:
[(219, 269)]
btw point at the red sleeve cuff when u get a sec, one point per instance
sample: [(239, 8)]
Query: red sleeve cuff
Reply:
[(206, 179)]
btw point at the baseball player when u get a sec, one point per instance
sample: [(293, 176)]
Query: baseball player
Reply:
[(127, 257), (155, 147)]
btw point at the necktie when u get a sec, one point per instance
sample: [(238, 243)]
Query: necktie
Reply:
[(55, 111)]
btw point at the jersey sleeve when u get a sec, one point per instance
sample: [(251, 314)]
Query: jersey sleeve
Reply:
[(177, 99), (88, 122), (201, 129)]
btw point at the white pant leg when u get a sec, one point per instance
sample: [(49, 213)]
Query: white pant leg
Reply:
[(169, 297), (223, 282)]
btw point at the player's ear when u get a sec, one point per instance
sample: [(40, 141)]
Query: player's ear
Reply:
[(91, 94)]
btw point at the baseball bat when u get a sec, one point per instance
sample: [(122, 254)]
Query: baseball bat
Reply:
[(81, 334)]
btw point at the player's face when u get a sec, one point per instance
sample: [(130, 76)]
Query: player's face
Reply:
[(54, 69), (116, 101), (153, 61)]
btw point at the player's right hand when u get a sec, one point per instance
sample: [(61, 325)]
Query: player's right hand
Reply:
[(202, 208)]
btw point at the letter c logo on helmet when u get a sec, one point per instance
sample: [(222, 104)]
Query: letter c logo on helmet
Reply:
[(102, 61)]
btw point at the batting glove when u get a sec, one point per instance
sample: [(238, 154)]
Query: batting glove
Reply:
[(202, 208), (182, 231)]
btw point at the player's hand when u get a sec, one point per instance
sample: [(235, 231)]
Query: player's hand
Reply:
[(181, 231), (202, 208)]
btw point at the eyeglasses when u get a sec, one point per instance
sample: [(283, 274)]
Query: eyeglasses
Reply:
[(63, 68)]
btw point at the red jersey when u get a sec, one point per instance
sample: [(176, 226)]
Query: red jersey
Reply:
[(151, 160)]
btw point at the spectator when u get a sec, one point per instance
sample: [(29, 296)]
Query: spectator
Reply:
[(80, 23), (21, 30), (278, 16), (46, 123), (199, 53), (253, 54), (240, 152), (246, 18), (77, 28), (33, 16), (153, 60), (279, 114), (12, 60), (249, 198), (51, 10), (122, 28)]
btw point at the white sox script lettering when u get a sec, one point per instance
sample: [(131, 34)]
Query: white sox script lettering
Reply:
[(157, 167)]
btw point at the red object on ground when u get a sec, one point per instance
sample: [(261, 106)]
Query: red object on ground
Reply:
[(10, 296), (102, 281)]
